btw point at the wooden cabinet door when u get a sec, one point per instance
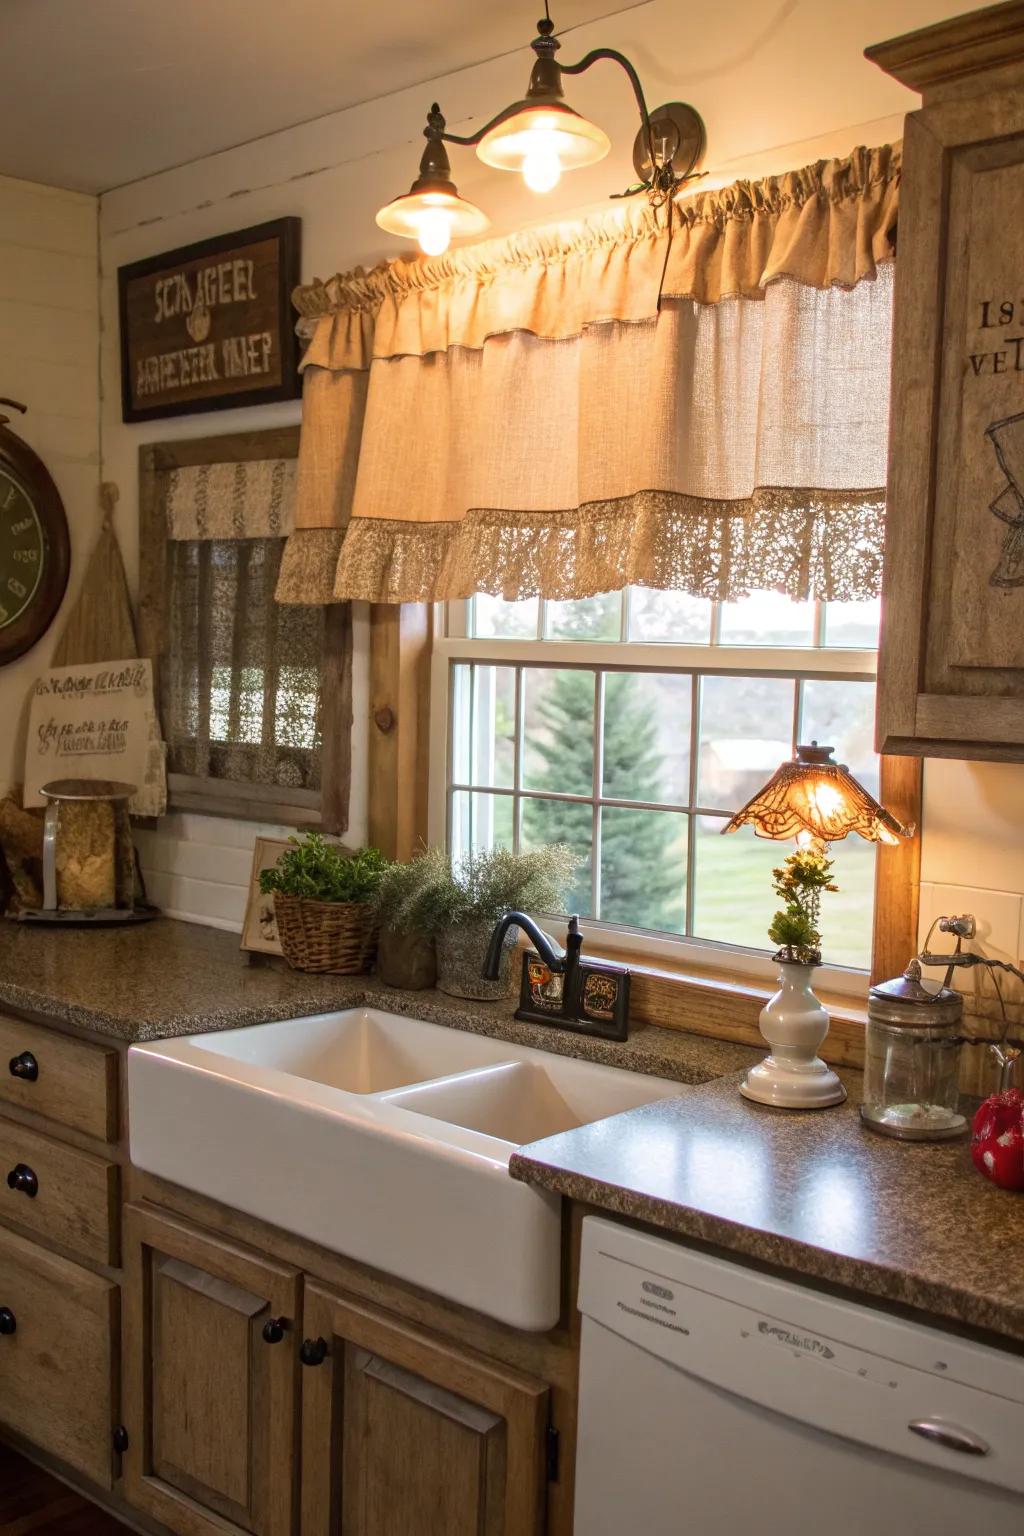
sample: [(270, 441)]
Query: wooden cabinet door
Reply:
[(56, 1348), (408, 1434), (951, 659), (210, 1403)]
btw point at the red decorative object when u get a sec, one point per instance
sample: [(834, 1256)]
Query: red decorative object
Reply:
[(997, 1139)]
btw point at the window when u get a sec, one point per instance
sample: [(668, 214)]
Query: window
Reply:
[(631, 726), (255, 696)]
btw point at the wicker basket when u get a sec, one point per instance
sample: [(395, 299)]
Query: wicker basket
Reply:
[(338, 936)]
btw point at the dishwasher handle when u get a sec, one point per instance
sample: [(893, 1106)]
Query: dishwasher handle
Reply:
[(951, 1436)]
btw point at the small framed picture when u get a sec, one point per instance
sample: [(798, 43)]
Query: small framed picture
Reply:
[(259, 931)]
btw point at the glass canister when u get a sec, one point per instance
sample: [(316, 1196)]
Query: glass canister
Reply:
[(912, 1060), (88, 858)]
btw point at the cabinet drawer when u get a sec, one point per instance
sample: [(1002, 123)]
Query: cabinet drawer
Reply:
[(56, 1192), (71, 1081), (56, 1367)]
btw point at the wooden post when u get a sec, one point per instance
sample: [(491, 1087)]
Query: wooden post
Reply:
[(400, 636), (897, 871)]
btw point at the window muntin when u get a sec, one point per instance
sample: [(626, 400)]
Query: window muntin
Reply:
[(581, 721)]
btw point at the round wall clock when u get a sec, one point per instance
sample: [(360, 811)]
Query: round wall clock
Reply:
[(35, 548)]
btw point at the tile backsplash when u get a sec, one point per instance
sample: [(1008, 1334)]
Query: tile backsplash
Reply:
[(197, 867)]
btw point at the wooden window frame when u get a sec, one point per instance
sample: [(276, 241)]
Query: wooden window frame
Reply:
[(327, 808)]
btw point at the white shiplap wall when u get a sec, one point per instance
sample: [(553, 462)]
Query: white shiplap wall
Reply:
[(49, 359)]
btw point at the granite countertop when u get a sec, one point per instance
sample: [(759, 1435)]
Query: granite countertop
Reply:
[(155, 980), (812, 1192)]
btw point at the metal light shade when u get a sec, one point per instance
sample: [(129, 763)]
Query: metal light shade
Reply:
[(576, 141), (820, 798), (406, 215)]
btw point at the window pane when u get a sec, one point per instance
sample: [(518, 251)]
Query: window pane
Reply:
[(668, 617), (733, 900), (643, 868), (462, 685), (586, 618), (847, 915), (555, 821), (480, 821), (767, 618), (494, 725), (491, 618), (853, 624), (647, 737), (558, 706), (842, 715), (746, 731)]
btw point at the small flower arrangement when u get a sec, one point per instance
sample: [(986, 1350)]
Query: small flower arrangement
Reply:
[(800, 883)]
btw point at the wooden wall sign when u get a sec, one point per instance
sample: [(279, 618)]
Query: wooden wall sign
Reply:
[(211, 326)]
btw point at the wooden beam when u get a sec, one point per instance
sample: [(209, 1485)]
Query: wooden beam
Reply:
[(897, 871), (400, 644)]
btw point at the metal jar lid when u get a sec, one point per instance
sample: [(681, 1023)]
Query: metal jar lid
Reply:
[(907, 1001)]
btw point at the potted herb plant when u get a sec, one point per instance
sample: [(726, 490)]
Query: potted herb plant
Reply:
[(458, 904), (406, 955), (323, 903)]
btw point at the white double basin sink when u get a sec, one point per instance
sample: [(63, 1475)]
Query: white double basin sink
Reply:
[(383, 1138)]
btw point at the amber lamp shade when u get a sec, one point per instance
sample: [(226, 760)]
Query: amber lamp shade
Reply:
[(574, 140), (813, 797)]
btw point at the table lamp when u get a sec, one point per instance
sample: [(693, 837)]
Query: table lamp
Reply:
[(817, 801)]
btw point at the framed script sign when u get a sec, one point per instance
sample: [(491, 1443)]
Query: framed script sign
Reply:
[(211, 326)]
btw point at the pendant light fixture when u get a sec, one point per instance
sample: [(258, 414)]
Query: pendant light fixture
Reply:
[(540, 137)]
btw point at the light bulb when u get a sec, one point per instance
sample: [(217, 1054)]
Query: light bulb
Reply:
[(435, 231), (542, 167)]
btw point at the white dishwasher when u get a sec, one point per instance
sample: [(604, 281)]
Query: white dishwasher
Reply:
[(712, 1395)]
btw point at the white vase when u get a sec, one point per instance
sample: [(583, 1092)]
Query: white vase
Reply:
[(794, 1024)]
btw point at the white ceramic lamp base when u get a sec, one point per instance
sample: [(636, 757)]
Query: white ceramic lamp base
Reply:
[(794, 1024)]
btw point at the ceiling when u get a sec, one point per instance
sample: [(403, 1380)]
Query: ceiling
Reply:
[(95, 94)]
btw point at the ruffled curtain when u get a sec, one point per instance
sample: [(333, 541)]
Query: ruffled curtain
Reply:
[(609, 402)]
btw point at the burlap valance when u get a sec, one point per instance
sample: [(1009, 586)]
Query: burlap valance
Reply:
[(522, 417), (250, 499), (827, 225)]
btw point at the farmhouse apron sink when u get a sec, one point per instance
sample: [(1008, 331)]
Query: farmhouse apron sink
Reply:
[(384, 1138)]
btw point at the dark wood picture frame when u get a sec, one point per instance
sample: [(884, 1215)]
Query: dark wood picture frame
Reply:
[(28, 468), (288, 233), (326, 809)]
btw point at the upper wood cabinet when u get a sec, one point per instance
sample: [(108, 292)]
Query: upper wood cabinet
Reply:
[(210, 1396), (951, 668), (405, 1434)]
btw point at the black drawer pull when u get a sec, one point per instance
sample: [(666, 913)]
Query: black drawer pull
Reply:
[(24, 1066), (8, 1321), (313, 1351), (273, 1330), (23, 1180)]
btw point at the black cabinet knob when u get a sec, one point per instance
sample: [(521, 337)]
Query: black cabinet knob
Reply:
[(313, 1351), (8, 1321), (24, 1066), (273, 1330), (22, 1179), (120, 1438)]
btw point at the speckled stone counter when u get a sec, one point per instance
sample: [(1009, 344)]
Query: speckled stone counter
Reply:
[(164, 978), (811, 1192)]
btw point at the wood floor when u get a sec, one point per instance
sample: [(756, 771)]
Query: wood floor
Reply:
[(32, 1503)]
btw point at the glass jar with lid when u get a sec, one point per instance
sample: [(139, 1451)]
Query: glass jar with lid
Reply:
[(912, 1059)]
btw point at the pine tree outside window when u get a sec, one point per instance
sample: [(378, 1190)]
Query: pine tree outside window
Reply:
[(631, 725)]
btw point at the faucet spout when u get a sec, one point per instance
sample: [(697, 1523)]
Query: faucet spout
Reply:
[(554, 957)]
